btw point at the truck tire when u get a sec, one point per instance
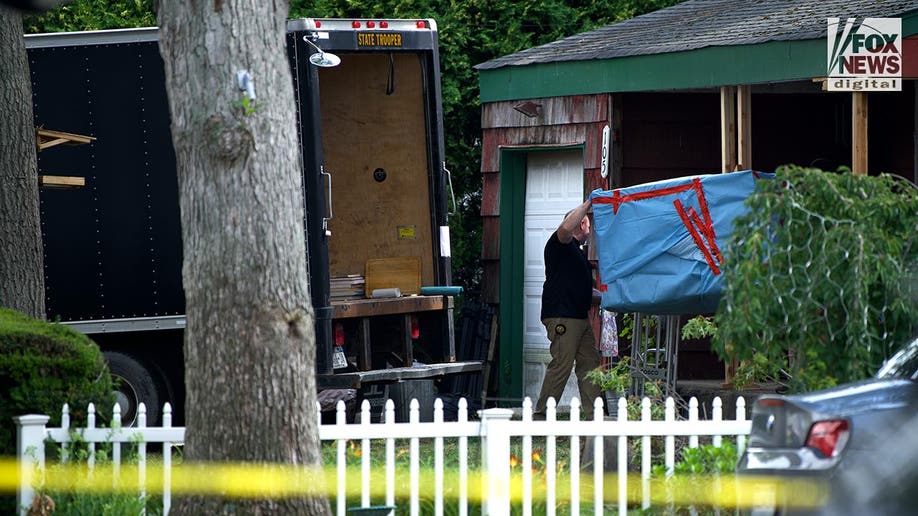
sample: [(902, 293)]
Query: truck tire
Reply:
[(135, 383)]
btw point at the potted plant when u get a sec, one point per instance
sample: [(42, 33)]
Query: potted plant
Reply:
[(614, 382)]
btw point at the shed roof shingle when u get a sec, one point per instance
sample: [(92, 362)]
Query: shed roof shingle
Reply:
[(704, 23)]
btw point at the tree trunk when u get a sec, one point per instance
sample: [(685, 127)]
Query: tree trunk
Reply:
[(249, 340), (22, 284)]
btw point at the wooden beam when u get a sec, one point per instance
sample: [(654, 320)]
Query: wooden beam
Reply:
[(728, 141), (744, 127), (728, 128), (387, 306), (45, 138), (61, 181), (859, 132)]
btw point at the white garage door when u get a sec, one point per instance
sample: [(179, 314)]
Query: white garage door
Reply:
[(554, 185)]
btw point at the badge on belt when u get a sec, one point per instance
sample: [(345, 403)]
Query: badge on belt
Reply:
[(560, 329)]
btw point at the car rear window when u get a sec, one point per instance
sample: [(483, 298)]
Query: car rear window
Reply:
[(904, 364)]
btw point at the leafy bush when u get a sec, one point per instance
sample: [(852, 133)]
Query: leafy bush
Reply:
[(43, 366), (616, 379), (818, 276), (695, 466)]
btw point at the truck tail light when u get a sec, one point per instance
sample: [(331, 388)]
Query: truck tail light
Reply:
[(339, 334), (415, 328), (829, 437)]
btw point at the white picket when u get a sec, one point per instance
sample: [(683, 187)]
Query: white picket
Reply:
[(495, 430)]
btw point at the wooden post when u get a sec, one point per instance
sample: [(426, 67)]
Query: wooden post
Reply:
[(616, 154), (728, 137), (495, 461), (744, 127), (728, 128), (30, 452), (859, 132)]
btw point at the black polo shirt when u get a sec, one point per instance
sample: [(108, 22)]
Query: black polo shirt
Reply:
[(568, 287)]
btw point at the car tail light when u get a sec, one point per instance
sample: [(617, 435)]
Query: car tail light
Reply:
[(829, 437), (339, 334), (415, 328)]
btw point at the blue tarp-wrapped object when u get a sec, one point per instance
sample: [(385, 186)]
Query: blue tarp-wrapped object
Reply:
[(661, 245)]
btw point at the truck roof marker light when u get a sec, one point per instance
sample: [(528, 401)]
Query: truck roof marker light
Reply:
[(318, 24), (383, 25), (371, 24), (422, 24), (355, 24)]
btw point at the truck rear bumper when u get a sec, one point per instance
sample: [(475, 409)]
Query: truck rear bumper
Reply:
[(354, 380)]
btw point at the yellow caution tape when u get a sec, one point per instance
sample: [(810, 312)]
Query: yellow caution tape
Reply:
[(251, 480)]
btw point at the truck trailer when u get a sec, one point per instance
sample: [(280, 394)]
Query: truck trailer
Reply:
[(375, 202)]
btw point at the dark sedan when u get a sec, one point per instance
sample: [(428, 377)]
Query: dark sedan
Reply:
[(859, 440)]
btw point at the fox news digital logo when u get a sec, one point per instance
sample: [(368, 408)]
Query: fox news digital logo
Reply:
[(864, 55)]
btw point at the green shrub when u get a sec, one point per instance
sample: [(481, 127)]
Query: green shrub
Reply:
[(819, 276), (43, 366)]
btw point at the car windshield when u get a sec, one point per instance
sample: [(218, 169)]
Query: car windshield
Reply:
[(904, 364)]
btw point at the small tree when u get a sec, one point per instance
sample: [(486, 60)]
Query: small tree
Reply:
[(818, 275)]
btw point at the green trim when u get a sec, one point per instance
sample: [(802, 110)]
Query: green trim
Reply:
[(512, 253), (512, 206), (710, 67), (702, 68)]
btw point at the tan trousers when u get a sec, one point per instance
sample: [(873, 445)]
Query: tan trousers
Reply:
[(572, 345)]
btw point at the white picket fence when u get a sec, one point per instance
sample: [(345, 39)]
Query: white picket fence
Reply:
[(495, 429)]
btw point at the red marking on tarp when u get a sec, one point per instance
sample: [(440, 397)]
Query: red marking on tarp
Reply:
[(603, 287), (707, 231), (698, 225), (696, 236), (617, 199)]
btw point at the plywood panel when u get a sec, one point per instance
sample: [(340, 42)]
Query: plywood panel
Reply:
[(376, 219), (401, 273)]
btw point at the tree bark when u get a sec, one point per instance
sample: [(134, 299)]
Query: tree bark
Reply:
[(22, 284), (249, 340)]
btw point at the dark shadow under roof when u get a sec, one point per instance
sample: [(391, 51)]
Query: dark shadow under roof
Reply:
[(704, 23)]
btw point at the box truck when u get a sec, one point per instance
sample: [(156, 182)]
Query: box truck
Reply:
[(375, 202)]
